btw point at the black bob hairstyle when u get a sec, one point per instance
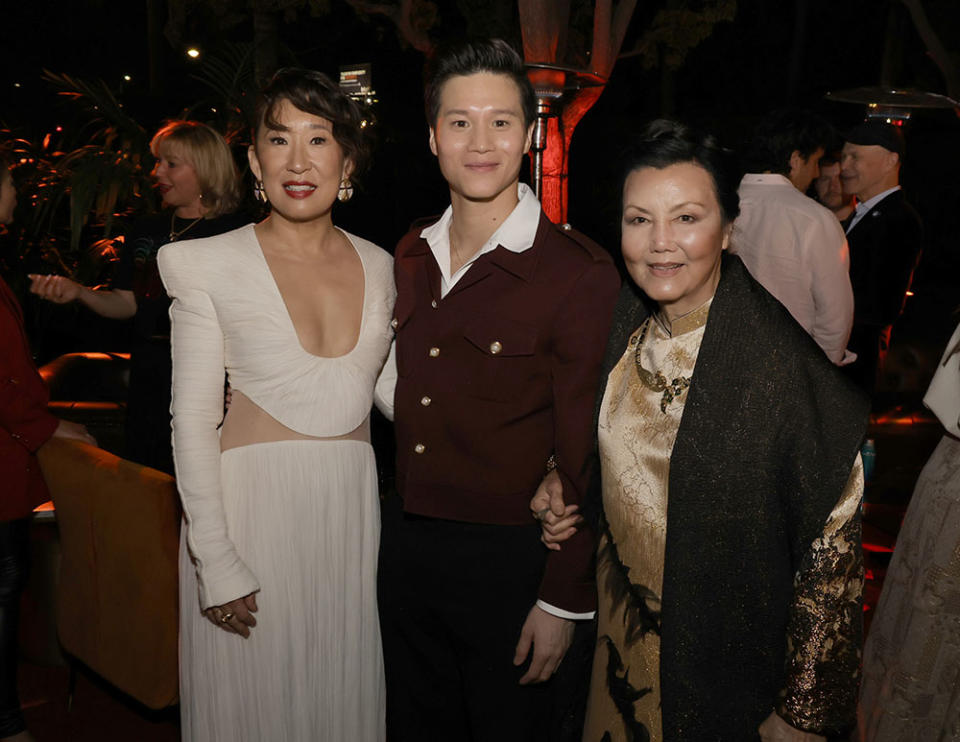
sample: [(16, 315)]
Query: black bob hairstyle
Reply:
[(313, 92), (469, 57), (663, 143)]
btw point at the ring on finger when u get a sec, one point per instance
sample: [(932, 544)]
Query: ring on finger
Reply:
[(542, 513), (226, 617)]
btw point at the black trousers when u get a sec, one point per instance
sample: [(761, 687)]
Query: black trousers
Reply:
[(14, 567), (453, 598), (869, 342)]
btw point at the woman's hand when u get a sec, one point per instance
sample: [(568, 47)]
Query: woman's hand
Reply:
[(235, 616), (557, 521), (58, 289), (775, 729), (112, 303)]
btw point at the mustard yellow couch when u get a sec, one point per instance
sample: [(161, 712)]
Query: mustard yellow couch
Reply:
[(117, 597)]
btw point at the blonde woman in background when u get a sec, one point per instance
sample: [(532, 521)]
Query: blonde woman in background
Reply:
[(197, 179)]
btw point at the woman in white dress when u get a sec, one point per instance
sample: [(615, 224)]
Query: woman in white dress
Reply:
[(279, 633)]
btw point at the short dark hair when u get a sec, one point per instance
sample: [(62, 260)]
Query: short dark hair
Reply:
[(472, 56), (832, 157), (313, 92), (781, 133), (663, 143)]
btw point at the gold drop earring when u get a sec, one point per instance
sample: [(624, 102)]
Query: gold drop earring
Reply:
[(346, 190)]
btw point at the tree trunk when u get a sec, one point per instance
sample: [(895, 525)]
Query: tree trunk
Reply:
[(543, 24), (935, 48), (796, 48), (266, 42), (891, 50), (155, 46), (554, 194)]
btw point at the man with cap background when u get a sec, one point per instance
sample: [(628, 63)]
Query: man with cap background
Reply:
[(884, 235)]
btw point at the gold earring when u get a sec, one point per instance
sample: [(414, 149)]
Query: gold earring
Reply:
[(258, 191), (346, 190)]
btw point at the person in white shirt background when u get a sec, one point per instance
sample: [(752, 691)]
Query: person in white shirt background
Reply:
[(791, 244)]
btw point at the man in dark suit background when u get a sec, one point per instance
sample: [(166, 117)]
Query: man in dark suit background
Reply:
[(884, 235)]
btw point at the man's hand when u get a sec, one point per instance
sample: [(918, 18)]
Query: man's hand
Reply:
[(67, 429), (775, 729), (550, 636), (558, 521)]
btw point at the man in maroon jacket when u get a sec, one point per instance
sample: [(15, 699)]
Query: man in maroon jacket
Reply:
[(25, 425), (501, 321)]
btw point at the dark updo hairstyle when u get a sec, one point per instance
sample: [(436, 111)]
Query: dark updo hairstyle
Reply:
[(313, 92), (663, 143), (469, 57)]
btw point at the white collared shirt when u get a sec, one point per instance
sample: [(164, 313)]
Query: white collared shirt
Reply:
[(864, 208), (515, 234), (796, 249)]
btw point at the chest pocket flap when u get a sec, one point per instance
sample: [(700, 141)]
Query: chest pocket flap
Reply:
[(495, 336)]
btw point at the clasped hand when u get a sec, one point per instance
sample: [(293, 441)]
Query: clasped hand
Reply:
[(558, 522), (235, 616)]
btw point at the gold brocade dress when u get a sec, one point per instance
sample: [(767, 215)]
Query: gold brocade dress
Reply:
[(637, 428), (640, 415)]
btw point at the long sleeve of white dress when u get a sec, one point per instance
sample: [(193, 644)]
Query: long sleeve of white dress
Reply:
[(197, 409)]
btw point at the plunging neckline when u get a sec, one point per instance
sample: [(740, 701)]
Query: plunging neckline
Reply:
[(286, 311)]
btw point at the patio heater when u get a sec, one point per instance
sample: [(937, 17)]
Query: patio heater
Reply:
[(554, 85), (893, 105)]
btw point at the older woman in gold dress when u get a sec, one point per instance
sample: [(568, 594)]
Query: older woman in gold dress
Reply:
[(729, 568)]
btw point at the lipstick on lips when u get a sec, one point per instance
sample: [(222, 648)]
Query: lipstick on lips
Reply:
[(298, 188), (664, 269)]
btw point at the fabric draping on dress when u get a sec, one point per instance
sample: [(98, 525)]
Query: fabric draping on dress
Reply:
[(295, 521), (636, 433), (911, 664)]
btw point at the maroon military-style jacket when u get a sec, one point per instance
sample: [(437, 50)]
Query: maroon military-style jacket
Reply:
[(25, 424), (498, 376)]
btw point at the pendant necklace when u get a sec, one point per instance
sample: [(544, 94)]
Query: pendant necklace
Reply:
[(176, 234), (657, 382)]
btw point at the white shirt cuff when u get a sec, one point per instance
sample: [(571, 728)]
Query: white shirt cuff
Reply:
[(560, 613)]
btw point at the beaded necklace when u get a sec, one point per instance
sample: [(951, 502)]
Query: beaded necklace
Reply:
[(657, 382)]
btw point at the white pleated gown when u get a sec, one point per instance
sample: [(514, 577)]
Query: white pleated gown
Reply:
[(295, 521)]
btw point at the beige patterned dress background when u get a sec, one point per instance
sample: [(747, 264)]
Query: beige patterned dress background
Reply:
[(911, 664)]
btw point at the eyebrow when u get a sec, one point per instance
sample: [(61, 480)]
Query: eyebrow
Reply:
[(678, 207), (281, 127), (496, 111)]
